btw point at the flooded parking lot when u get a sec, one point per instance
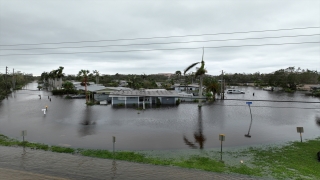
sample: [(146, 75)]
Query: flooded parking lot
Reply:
[(72, 123)]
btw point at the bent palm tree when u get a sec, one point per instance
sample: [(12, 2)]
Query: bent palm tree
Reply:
[(84, 73), (200, 72)]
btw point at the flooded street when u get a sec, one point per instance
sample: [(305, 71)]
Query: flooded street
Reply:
[(69, 122)]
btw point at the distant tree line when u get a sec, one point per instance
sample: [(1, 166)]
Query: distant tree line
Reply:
[(288, 78), (134, 81), (11, 82)]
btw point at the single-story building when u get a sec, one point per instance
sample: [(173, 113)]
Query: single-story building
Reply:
[(100, 92), (103, 94), (145, 96), (189, 87)]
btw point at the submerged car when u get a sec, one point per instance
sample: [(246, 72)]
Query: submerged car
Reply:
[(80, 96), (234, 91)]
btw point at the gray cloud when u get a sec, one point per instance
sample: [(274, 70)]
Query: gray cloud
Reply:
[(33, 21)]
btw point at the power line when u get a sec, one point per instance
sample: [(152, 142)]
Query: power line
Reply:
[(240, 32), (303, 35), (141, 50)]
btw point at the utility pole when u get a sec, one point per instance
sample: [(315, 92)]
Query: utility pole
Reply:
[(6, 80), (224, 85), (221, 83), (13, 81)]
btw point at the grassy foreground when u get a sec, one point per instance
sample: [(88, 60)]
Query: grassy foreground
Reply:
[(293, 160)]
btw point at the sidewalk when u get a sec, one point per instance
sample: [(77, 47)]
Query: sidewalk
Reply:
[(16, 164), (18, 175)]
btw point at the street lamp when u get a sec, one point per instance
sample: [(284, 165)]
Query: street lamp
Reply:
[(248, 135)]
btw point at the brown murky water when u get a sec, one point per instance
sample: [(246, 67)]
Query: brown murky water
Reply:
[(72, 123)]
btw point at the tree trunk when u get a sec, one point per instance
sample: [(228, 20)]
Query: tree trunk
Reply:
[(200, 92), (85, 89), (97, 79), (60, 82)]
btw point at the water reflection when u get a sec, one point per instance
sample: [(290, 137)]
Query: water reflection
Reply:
[(318, 120), (198, 135), (23, 158), (248, 135), (114, 169), (87, 126)]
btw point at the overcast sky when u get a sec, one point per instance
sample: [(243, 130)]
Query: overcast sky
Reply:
[(43, 22)]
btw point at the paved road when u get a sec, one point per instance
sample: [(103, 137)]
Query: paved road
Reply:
[(17, 164)]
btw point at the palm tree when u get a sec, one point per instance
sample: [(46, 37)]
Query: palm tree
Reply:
[(44, 76), (55, 75), (178, 74), (211, 85), (200, 72), (84, 74), (60, 75), (51, 77), (96, 73)]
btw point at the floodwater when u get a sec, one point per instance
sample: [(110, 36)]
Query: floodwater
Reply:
[(71, 123)]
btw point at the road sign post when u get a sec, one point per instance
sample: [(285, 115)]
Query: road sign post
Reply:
[(222, 137), (300, 130)]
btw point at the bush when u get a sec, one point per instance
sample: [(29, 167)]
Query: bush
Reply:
[(68, 97), (316, 93), (90, 103), (61, 149), (288, 90), (158, 103), (178, 101)]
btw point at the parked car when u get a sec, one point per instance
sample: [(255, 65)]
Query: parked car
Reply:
[(234, 91), (80, 96)]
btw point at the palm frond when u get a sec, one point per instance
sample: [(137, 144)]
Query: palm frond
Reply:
[(190, 144), (189, 67)]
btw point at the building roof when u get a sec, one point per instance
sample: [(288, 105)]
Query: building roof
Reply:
[(146, 92), (189, 85), (91, 88), (111, 89)]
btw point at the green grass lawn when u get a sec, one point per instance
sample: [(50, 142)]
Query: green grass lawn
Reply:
[(293, 160)]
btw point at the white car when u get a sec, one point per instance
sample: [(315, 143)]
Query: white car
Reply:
[(234, 91)]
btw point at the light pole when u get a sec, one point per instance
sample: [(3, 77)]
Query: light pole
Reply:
[(248, 135), (221, 138)]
